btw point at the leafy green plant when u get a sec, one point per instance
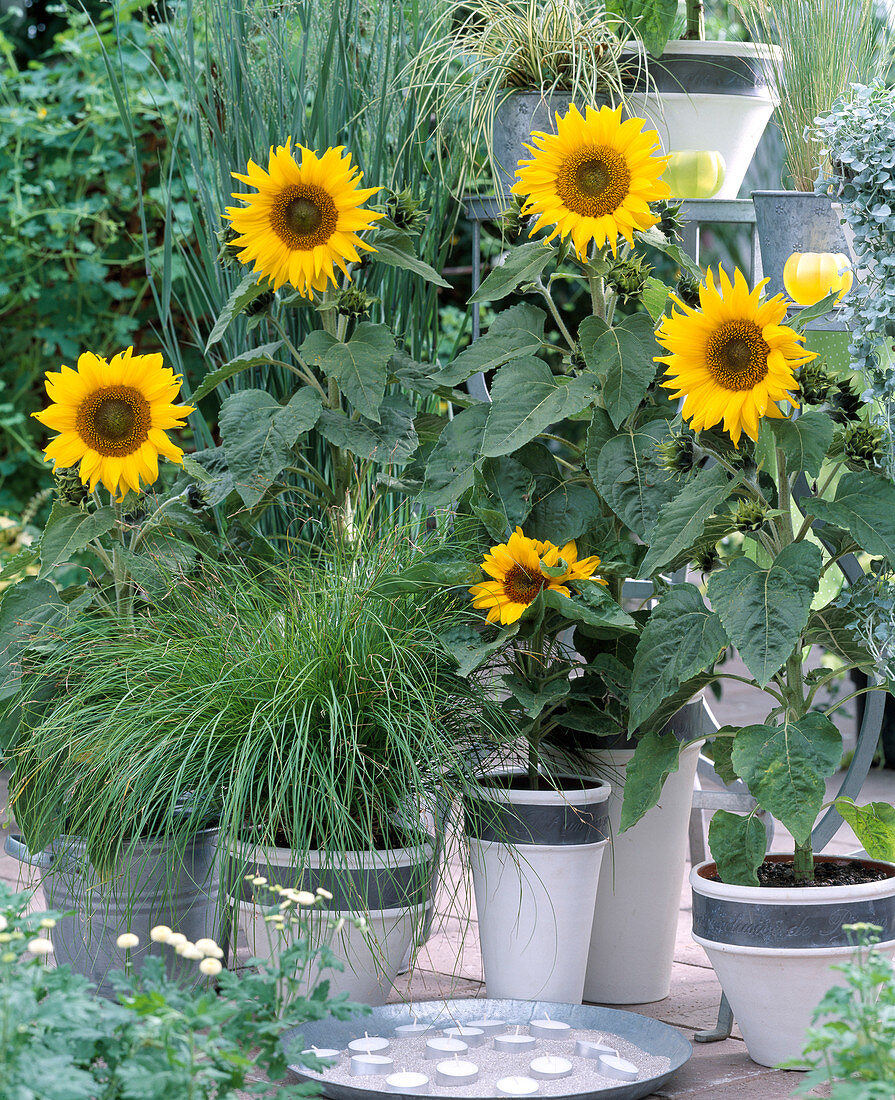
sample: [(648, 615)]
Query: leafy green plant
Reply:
[(73, 262), (312, 700), (59, 1041), (851, 1047)]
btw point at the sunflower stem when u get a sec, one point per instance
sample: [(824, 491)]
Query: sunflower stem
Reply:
[(561, 325), (598, 296)]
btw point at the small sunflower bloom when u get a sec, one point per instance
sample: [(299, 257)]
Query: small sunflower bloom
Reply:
[(593, 180), (112, 416), (303, 218), (731, 359), (518, 578)]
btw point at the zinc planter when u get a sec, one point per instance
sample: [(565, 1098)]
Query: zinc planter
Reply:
[(535, 858), (638, 899), (795, 221), (157, 883), (389, 889), (712, 96), (514, 120), (772, 948)]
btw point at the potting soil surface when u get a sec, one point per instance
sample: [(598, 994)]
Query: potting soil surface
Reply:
[(408, 1055)]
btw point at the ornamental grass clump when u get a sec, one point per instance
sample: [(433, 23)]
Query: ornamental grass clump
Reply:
[(306, 701)]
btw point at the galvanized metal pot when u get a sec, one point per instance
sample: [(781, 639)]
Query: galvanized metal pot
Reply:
[(772, 948), (516, 117), (536, 858), (157, 882)]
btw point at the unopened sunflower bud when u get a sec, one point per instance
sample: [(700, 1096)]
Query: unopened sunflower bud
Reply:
[(511, 221), (69, 487), (354, 302), (846, 404), (816, 387), (627, 276), (705, 558), (688, 290), (862, 446), (750, 516), (677, 454), (261, 304), (406, 211), (670, 220), (196, 498)]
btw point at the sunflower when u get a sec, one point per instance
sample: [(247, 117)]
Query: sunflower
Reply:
[(303, 218), (594, 179), (515, 566), (732, 359), (112, 416)]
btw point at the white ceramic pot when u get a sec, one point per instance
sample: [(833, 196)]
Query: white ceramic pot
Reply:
[(389, 889), (536, 858), (712, 96), (773, 948), (639, 896)]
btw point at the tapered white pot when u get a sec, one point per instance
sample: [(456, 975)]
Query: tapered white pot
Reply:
[(638, 899), (773, 948), (711, 96), (388, 889), (536, 858)]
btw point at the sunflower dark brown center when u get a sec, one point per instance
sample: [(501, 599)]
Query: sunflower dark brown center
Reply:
[(115, 420), (737, 355), (594, 181), (303, 216), (521, 586)]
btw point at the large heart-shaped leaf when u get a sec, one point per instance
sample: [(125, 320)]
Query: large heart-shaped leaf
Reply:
[(390, 442), (682, 637), (526, 398), (738, 844), (621, 356), (764, 611), (522, 264), (785, 766), (449, 471), (68, 531), (874, 826), (503, 497), (513, 333), (628, 476), (360, 367), (656, 756), (804, 441), (864, 506), (682, 521), (258, 435), (248, 290)]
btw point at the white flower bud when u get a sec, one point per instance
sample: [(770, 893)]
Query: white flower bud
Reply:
[(207, 946), (127, 940), (40, 946), (161, 933), (175, 940), (210, 967)]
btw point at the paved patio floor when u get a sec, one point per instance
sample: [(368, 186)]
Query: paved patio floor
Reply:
[(450, 964)]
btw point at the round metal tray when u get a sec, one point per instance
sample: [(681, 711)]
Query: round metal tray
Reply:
[(650, 1035)]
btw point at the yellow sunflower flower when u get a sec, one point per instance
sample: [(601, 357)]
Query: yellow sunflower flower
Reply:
[(594, 179), (732, 359), (515, 566), (303, 218), (112, 417)]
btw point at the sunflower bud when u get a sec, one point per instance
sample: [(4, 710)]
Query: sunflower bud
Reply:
[(705, 558), (670, 220), (846, 404), (577, 357), (816, 387), (688, 290), (510, 221), (627, 276), (69, 487), (260, 305), (196, 498), (677, 454), (862, 446), (354, 302), (407, 212), (750, 516)]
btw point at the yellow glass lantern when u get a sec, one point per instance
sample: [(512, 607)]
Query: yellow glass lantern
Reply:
[(810, 276), (695, 173)]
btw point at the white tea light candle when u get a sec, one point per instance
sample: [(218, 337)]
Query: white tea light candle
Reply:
[(410, 1084), (515, 1044), (549, 1029), (325, 1054), (409, 1031), (370, 1044), (472, 1036), (619, 1068), (371, 1065), (516, 1086), (453, 1074), (443, 1047), (550, 1068), (584, 1048), (490, 1027)]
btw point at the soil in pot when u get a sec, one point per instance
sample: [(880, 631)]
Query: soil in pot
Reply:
[(778, 871)]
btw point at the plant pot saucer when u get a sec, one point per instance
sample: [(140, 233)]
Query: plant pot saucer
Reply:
[(650, 1035)]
